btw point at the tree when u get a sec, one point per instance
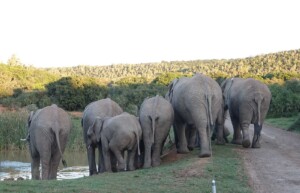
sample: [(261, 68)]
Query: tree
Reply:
[(14, 61)]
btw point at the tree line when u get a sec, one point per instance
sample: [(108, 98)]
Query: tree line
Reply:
[(128, 84)]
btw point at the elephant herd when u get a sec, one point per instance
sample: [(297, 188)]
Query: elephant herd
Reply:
[(195, 107)]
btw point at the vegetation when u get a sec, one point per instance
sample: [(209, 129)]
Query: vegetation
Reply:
[(188, 174), (286, 123), (128, 85)]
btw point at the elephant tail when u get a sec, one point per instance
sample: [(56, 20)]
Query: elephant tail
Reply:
[(59, 148), (209, 114), (258, 100), (138, 142)]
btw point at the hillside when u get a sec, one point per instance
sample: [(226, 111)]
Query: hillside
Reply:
[(129, 84), (286, 62)]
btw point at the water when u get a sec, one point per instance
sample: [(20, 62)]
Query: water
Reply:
[(17, 164)]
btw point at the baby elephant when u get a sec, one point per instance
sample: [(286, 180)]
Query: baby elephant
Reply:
[(115, 135), (156, 117)]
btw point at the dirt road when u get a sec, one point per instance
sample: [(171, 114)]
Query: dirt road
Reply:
[(275, 167)]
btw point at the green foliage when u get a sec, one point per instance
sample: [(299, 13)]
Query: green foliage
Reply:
[(75, 140), (285, 99), (280, 65), (285, 123), (166, 78), (12, 129), (74, 93), (296, 125), (24, 78), (131, 96)]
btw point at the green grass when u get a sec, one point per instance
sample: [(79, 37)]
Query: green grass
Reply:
[(184, 175), (283, 122), (12, 129)]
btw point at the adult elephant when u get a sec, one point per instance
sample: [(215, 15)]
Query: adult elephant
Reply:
[(48, 131), (198, 106), (117, 134), (248, 102), (156, 117), (101, 108)]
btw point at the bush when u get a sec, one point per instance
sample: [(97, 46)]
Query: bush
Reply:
[(285, 99)]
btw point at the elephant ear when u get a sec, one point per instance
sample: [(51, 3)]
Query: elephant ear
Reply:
[(30, 118), (98, 126), (169, 94), (226, 87)]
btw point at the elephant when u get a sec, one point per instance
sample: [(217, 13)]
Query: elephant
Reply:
[(156, 116), (117, 134), (48, 131), (248, 102), (100, 108), (198, 107)]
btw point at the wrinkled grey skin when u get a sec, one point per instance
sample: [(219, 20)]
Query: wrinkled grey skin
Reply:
[(101, 108), (48, 131), (117, 134), (198, 106), (248, 102), (156, 117)]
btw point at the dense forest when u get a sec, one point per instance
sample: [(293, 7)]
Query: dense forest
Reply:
[(129, 84), (279, 64)]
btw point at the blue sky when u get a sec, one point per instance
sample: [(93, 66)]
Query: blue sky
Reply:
[(56, 33)]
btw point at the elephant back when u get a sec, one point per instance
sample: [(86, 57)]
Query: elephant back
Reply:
[(101, 108)]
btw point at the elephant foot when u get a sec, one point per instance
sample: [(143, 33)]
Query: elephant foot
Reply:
[(246, 143), (93, 172), (256, 145), (131, 168), (191, 148), (155, 164), (183, 150), (237, 141), (220, 142), (204, 154), (147, 166)]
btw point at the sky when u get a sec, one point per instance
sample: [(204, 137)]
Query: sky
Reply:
[(63, 33)]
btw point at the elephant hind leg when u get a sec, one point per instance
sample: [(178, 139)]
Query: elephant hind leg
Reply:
[(256, 136), (246, 140), (237, 136), (35, 168), (54, 163), (155, 158), (180, 132), (113, 146)]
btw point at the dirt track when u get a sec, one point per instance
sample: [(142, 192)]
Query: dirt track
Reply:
[(275, 167)]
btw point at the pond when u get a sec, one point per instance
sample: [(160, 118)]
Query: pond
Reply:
[(17, 164)]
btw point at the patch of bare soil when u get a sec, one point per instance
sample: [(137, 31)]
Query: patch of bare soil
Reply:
[(196, 169), (76, 113), (275, 167)]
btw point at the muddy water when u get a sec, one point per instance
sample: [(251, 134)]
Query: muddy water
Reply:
[(17, 165)]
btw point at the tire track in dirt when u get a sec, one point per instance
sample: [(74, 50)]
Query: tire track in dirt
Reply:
[(275, 167)]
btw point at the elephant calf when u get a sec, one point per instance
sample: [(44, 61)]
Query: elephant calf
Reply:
[(117, 134), (48, 131), (101, 108), (156, 117)]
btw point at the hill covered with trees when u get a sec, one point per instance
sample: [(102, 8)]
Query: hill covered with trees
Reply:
[(129, 84), (281, 65)]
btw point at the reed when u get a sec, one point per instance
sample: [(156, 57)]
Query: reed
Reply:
[(12, 129)]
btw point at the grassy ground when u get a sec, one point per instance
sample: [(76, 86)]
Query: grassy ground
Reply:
[(187, 174), (283, 122)]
